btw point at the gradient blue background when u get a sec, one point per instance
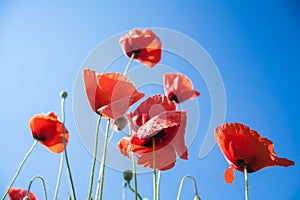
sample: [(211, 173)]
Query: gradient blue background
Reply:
[(254, 44)]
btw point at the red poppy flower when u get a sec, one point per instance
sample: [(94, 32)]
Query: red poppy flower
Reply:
[(156, 120), (242, 146), (145, 45), (49, 131), (19, 194), (110, 94), (179, 88)]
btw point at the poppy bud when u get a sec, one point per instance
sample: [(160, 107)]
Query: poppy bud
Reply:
[(197, 197), (119, 123), (127, 175), (63, 94)]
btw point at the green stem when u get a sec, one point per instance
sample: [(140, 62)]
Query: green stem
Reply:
[(134, 191), (128, 64), (134, 176), (94, 158), (181, 185), (154, 171), (63, 97), (43, 183), (246, 182), (124, 185), (19, 169), (102, 170), (158, 184), (59, 176)]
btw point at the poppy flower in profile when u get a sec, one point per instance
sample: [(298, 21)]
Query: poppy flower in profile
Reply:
[(110, 94), (19, 194), (145, 45), (179, 88), (156, 120), (49, 131), (242, 147)]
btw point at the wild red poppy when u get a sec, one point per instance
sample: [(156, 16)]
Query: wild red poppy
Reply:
[(110, 94), (145, 45), (49, 131), (156, 120), (179, 88), (19, 194), (242, 146)]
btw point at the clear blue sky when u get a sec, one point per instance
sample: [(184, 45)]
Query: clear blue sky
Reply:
[(255, 45)]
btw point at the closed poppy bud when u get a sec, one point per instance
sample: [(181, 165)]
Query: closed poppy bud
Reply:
[(127, 175), (119, 124), (144, 44), (197, 197), (49, 131)]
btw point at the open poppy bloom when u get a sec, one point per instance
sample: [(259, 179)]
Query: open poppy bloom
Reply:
[(49, 131), (242, 147), (145, 45), (158, 127), (19, 194), (179, 88), (110, 94)]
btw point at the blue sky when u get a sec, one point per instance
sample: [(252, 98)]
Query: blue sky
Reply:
[(254, 45)]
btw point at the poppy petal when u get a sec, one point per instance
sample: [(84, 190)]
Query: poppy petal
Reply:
[(179, 87), (151, 107), (144, 44), (243, 146), (19, 194), (229, 175), (124, 146)]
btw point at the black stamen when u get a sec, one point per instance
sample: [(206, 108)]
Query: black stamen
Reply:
[(174, 98)]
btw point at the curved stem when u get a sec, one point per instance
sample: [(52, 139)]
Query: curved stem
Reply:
[(59, 176), (94, 158), (181, 185), (128, 64), (102, 170), (135, 192), (63, 97), (246, 183), (19, 169), (154, 171), (158, 184), (43, 183)]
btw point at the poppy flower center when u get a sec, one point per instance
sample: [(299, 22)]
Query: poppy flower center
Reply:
[(35, 136), (241, 163), (174, 98), (157, 137), (136, 53)]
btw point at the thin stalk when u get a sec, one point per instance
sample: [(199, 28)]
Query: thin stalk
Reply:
[(181, 185), (63, 97), (124, 185), (154, 171), (19, 169), (130, 187), (94, 158), (102, 169), (59, 176), (158, 184), (246, 183), (43, 184), (128, 64)]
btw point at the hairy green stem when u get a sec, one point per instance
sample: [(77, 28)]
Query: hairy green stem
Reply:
[(94, 158), (133, 190), (63, 97), (154, 171), (129, 63), (59, 176), (19, 169), (99, 192), (246, 183), (43, 184), (181, 185), (158, 184)]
